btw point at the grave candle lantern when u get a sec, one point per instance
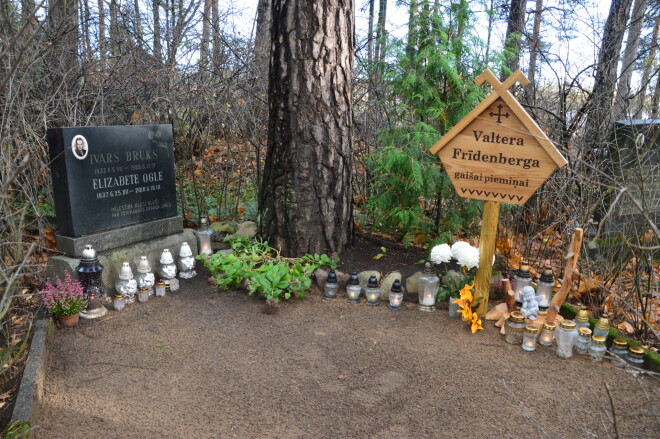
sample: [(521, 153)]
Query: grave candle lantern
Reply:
[(160, 289), (143, 295), (597, 348), (396, 296), (372, 291), (186, 262), (118, 302), (126, 285), (547, 334), (544, 289), (353, 288), (145, 278), (567, 335), (529, 338), (331, 286), (582, 318), (428, 285), (89, 272), (167, 267), (204, 237), (582, 343), (521, 280), (603, 326)]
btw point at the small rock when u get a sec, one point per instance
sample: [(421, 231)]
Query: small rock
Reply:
[(412, 283), (220, 246), (452, 279), (225, 252), (496, 292), (386, 285), (365, 275), (248, 229), (220, 230)]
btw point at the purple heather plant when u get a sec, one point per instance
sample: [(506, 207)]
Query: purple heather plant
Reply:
[(65, 298)]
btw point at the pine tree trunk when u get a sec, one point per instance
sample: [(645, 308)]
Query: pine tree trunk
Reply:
[(533, 52), (380, 31), (102, 45), (139, 38), (206, 36), (306, 195), (600, 115), (514, 32), (623, 92), (217, 48), (648, 67), (262, 39), (158, 48)]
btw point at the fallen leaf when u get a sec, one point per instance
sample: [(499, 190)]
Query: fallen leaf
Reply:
[(625, 326)]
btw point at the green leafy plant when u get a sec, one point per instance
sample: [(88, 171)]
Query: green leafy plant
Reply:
[(260, 269)]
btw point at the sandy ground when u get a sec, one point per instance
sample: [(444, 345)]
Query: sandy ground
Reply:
[(205, 364)]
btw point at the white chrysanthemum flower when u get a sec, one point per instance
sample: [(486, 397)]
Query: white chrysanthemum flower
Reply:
[(456, 248), (441, 253), (468, 257)]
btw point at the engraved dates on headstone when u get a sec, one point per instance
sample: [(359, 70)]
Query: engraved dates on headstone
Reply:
[(108, 177)]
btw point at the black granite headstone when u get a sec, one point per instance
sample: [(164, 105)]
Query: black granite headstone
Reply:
[(109, 177)]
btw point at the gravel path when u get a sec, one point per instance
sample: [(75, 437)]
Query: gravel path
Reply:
[(204, 364)]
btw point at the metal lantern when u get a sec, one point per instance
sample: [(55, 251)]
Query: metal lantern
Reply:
[(582, 318), (396, 296), (428, 285), (331, 286), (89, 274), (603, 326), (353, 288), (204, 237), (372, 291), (544, 289), (521, 280)]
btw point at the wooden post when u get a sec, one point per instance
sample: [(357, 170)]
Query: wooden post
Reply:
[(571, 267), (486, 252)]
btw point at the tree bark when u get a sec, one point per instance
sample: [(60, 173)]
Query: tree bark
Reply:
[(648, 68), (623, 92), (306, 194), (206, 36), (215, 25), (158, 48), (533, 51), (102, 45), (370, 33), (381, 31), (514, 31), (600, 110), (262, 39), (139, 39)]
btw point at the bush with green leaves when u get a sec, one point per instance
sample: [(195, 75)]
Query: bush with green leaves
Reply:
[(431, 89), (261, 270)]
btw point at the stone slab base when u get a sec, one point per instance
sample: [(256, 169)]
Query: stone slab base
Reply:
[(112, 259), (123, 236)]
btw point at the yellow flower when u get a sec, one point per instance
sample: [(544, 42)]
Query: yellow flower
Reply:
[(466, 294), (475, 322)]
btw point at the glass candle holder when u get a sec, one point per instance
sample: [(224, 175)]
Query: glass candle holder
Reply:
[(204, 237), (331, 286), (353, 288), (583, 341), (372, 292), (547, 336), (529, 338), (514, 327), (143, 295), (521, 279), (602, 327), (597, 348), (396, 296), (582, 318), (118, 302), (544, 288), (160, 289), (428, 285), (635, 356), (619, 351), (186, 263), (566, 336)]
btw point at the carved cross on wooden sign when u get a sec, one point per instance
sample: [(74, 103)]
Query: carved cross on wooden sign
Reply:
[(497, 152)]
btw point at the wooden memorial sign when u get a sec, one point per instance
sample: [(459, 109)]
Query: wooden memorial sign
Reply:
[(497, 153)]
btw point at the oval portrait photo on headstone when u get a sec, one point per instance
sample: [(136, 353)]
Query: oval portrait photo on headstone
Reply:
[(79, 147)]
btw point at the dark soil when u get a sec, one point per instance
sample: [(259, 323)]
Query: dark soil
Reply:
[(207, 364)]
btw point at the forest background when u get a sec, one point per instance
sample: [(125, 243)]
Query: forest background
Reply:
[(198, 65)]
